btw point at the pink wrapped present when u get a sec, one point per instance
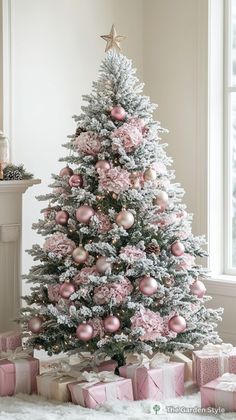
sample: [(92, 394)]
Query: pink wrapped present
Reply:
[(90, 362), (177, 356), (10, 340), (212, 361), (18, 373), (220, 393), (95, 388), (154, 378)]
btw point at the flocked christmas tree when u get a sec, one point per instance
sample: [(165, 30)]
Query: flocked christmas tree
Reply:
[(117, 271)]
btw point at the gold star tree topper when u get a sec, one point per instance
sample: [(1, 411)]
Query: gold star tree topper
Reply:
[(113, 40)]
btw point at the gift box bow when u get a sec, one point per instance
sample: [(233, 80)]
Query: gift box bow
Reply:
[(62, 370), (95, 377), (86, 359), (18, 353), (217, 349), (227, 382), (142, 360)]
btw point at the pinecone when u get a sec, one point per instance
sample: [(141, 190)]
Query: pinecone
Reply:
[(10, 175), (152, 249)]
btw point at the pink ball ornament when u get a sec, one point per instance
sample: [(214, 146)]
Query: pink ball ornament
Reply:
[(84, 214), (150, 175), (125, 219), (62, 217), (148, 285), (103, 265), (111, 323), (80, 255), (84, 332), (35, 324), (67, 171), (198, 288), (177, 324), (177, 249), (161, 200), (118, 113), (103, 165), (66, 290), (76, 181)]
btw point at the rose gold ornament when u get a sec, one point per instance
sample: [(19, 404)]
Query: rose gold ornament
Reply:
[(35, 324), (84, 214), (177, 249), (80, 255), (111, 323), (84, 332), (177, 324), (103, 265), (125, 219), (161, 200), (150, 175), (66, 290), (76, 181), (148, 285), (103, 164), (198, 288), (67, 171), (118, 113), (62, 217)]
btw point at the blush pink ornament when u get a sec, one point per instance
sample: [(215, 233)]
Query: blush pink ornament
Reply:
[(80, 255), (88, 143), (67, 171), (84, 332), (161, 200), (103, 165), (177, 249), (84, 214), (148, 285), (150, 175), (129, 135), (125, 219), (118, 113), (103, 265), (62, 217), (114, 180), (177, 324), (59, 244), (66, 290), (35, 324), (111, 324), (198, 288), (76, 181)]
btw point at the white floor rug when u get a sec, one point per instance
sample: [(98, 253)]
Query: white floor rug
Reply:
[(25, 407)]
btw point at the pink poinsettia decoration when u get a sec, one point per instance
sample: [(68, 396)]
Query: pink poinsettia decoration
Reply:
[(187, 261), (82, 276), (59, 244), (118, 291), (130, 136), (98, 327), (139, 123), (88, 143), (104, 222), (150, 321), (132, 253), (114, 180), (53, 292)]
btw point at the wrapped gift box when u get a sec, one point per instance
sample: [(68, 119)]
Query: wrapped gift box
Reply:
[(95, 392), (18, 375), (220, 393), (177, 356), (10, 340), (164, 381), (54, 385), (212, 361)]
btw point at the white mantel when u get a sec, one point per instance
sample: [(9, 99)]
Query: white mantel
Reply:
[(10, 248)]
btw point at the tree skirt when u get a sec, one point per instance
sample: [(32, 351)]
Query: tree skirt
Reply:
[(25, 407)]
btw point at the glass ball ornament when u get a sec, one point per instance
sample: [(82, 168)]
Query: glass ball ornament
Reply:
[(103, 165), (111, 324), (66, 290), (198, 288), (177, 324), (118, 113), (67, 171), (177, 249), (80, 255), (62, 217), (148, 285), (35, 324), (161, 200), (103, 265), (84, 332), (76, 181), (150, 175), (125, 219), (84, 214)]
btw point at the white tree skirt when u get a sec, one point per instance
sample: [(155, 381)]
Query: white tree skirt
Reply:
[(25, 407)]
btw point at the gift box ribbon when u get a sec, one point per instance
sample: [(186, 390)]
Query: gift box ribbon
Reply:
[(86, 359), (227, 382), (22, 368)]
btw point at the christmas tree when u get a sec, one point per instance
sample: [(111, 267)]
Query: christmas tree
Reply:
[(117, 272)]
